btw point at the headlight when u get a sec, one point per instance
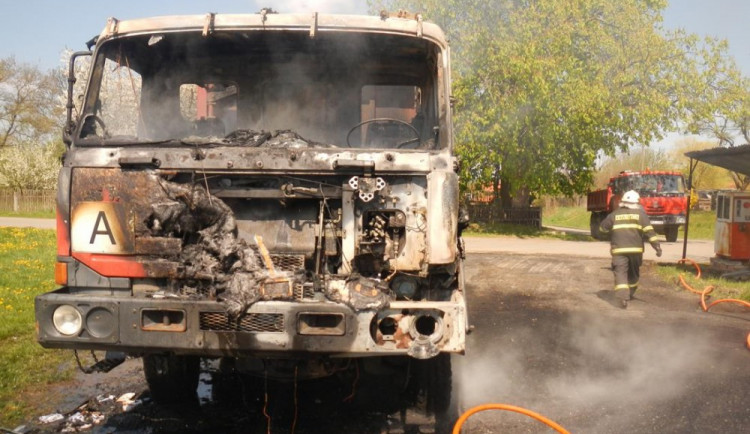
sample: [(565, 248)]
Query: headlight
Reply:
[(680, 220), (67, 320)]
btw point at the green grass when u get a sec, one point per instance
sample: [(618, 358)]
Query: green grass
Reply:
[(569, 217), (29, 214), (701, 222), (702, 225), (27, 258), (723, 288)]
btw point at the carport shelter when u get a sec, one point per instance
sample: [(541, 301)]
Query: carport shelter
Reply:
[(736, 159)]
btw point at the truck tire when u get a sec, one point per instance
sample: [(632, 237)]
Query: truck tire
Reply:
[(434, 379), (671, 233), (172, 379)]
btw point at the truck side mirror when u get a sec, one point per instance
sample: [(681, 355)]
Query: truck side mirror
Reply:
[(70, 125)]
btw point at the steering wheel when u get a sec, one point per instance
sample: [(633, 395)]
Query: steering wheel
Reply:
[(386, 120), (98, 120)]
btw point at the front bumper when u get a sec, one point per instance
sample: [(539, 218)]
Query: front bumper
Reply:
[(140, 325), (667, 220)]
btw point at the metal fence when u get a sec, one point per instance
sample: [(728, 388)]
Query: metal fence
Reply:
[(27, 200), (494, 213)]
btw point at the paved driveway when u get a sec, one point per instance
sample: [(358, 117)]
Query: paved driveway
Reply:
[(697, 250), (20, 222)]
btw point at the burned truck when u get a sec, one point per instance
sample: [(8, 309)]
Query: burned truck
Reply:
[(268, 190)]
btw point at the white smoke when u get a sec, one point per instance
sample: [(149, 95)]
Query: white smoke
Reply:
[(586, 363), (326, 6)]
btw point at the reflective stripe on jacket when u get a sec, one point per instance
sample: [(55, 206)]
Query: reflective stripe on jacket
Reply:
[(627, 228)]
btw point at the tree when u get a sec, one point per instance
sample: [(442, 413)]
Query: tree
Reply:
[(30, 166), (30, 110), (705, 176), (641, 158), (548, 86), (30, 123), (721, 81)]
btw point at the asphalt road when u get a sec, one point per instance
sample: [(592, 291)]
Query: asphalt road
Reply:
[(697, 250), (21, 222), (551, 336)]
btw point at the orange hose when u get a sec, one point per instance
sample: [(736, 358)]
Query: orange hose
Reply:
[(727, 300), (691, 289), (483, 407), (695, 264), (707, 290)]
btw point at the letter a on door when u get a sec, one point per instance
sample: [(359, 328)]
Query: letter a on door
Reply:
[(100, 227)]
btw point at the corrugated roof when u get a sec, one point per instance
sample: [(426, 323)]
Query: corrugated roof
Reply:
[(736, 159)]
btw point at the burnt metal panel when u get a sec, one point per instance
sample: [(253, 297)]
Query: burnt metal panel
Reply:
[(442, 216)]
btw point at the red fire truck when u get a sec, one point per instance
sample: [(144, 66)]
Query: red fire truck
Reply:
[(663, 197)]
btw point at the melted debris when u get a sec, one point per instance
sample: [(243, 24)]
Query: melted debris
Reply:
[(360, 293), (215, 261), (255, 139)]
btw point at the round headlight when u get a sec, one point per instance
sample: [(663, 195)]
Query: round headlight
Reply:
[(67, 320)]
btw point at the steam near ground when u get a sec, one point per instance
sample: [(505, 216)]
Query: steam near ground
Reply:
[(585, 362)]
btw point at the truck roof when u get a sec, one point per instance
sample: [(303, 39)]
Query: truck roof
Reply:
[(404, 24)]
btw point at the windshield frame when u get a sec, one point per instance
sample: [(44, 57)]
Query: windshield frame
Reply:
[(441, 115)]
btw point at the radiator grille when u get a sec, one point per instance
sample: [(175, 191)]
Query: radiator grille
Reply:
[(286, 262), (252, 322), (303, 291)]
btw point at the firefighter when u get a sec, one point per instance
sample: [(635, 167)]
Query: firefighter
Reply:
[(627, 227)]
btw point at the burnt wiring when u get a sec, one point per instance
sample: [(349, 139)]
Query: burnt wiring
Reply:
[(354, 384), (421, 224), (333, 220)]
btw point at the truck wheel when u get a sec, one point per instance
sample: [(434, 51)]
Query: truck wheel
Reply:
[(172, 379), (434, 378), (671, 233)]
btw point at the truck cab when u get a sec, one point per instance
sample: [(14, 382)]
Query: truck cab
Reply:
[(265, 190), (663, 197)]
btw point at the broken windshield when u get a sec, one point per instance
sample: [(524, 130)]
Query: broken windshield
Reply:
[(350, 90)]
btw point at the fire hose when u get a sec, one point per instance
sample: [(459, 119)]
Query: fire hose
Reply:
[(461, 420), (707, 290)]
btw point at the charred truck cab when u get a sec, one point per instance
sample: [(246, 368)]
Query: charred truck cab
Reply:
[(266, 189)]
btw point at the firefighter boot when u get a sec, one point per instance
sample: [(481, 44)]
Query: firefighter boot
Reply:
[(632, 293)]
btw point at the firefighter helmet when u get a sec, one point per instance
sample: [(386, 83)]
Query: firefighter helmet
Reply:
[(631, 197)]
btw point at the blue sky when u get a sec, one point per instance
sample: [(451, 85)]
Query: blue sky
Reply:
[(37, 31)]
